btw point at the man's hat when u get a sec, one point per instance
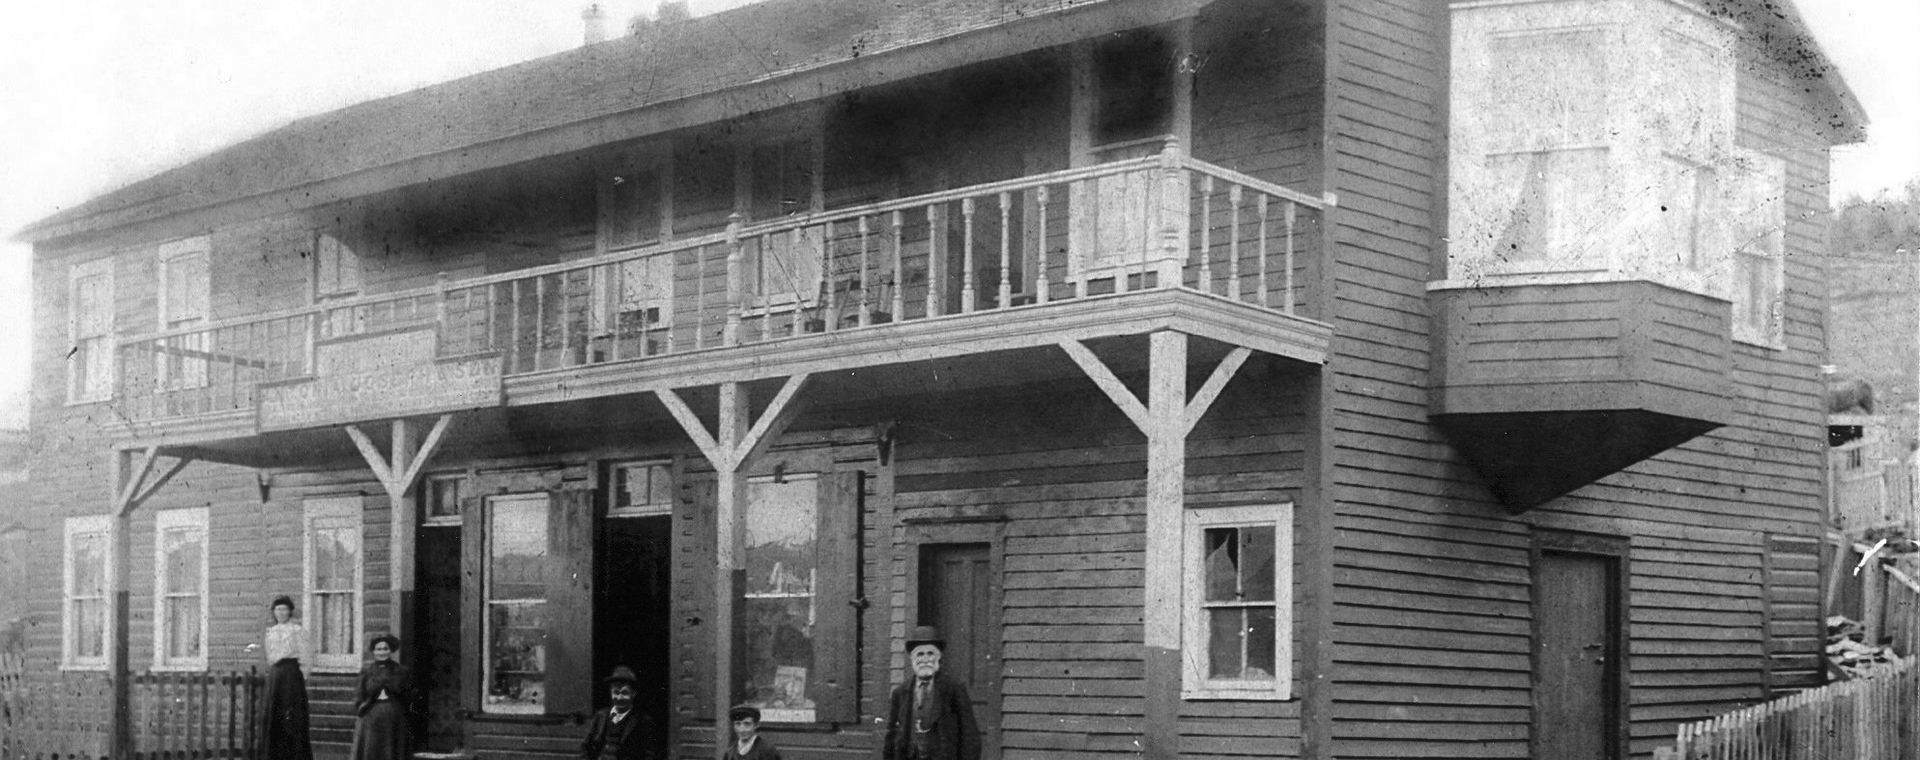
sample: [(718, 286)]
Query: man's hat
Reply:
[(623, 674), (743, 712), (925, 634)]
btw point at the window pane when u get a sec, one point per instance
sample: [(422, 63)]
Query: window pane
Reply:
[(183, 626), (517, 549), (89, 565), (1260, 639), (443, 499), (183, 562), (90, 626), (517, 655), (780, 557), (335, 553), (1256, 567), (1226, 642), (336, 612), (1223, 564)]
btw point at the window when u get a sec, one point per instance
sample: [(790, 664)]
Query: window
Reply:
[(637, 293), (1757, 206), (180, 589), (515, 615), (84, 620), (336, 271), (90, 328), (642, 488), (630, 207), (183, 306), (443, 494), (782, 183), (1239, 589), (781, 614), (333, 577)]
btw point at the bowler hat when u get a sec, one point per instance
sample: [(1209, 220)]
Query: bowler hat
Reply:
[(623, 674), (925, 634)]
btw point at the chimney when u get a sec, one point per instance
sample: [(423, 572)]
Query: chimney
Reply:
[(594, 19)]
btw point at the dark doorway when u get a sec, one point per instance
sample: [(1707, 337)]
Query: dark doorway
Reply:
[(437, 665), (631, 610), (1579, 647), (956, 595)]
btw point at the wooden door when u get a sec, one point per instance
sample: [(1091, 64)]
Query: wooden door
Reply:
[(437, 652), (1578, 655), (956, 596)]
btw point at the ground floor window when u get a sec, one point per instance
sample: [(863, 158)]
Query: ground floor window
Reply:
[(180, 589), (333, 576), (1238, 602), (514, 620), (84, 609), (780, 617)]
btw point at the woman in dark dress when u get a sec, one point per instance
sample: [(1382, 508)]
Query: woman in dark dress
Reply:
[(284, 732), (386, 688)]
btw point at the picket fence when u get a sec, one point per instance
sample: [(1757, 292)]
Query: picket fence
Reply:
[(1871, 718)]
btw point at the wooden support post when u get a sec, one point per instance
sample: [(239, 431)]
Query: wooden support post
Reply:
[(1166, 419), (732, 448), (397, 474), (131, 487)]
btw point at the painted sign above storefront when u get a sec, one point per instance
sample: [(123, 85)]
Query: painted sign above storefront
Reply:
[(380, 376)]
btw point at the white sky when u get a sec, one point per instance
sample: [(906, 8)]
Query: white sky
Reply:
[(99, 93)]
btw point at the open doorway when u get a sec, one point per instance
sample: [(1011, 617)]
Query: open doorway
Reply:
[(631, 611)]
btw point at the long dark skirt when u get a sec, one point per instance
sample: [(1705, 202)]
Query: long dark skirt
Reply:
[(283, 731), (381, 732)]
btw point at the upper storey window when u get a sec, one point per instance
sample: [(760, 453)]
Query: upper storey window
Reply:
[(336, 268), (184, 295), (1594, 138), (90, 330)]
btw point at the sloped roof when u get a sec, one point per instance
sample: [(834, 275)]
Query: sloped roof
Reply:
[(669, 62), (1779, 29)]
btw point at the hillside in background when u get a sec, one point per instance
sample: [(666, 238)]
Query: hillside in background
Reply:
[(1873, 292)]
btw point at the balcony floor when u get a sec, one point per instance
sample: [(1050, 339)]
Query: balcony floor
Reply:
[(851, 366)]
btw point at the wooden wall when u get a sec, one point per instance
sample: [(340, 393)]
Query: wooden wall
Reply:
[(1061, 471), (1432, 581)]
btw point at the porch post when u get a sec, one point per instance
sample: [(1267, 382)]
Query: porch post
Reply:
[(119, 664), (1166, 497), (729, 539), (737, 441)]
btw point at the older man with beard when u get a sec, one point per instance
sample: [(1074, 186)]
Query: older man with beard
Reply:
[(930, 716)]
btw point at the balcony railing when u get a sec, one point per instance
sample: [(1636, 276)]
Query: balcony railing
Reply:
[(1160, 221)]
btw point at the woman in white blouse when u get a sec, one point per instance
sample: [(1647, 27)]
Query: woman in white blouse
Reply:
[(284, 729)]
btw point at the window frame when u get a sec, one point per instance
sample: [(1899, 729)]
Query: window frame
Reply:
[(166, 521), (1759, 202), (189, 373), (1195, 683), (812, 482), (73, 528), (487, 602), (338, 509), (428, 488), (647, 509), (323, 290), (102, 269)]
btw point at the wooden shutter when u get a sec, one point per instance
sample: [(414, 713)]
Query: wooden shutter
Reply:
[(693, 579), (473, 600), (570, 677), (836, 677)]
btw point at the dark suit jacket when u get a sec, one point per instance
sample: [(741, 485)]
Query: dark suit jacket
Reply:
[(955, 735), (635, 733)]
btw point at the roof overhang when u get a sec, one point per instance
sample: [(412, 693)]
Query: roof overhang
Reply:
[(185, 213)]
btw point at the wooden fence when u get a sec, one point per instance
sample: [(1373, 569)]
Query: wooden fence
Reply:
[(176, 716), (1875, 718)]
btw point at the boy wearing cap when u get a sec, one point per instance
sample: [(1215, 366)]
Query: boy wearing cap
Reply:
[(930, 716), (619, 732), (747, 742)]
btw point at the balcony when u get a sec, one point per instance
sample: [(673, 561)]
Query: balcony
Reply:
[(1122, 248), (1547, 387)]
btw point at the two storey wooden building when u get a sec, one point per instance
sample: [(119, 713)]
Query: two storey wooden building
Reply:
[(1265, 378)]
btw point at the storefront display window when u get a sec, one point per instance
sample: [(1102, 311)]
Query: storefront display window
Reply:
[(516, 604), (782, 517)]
